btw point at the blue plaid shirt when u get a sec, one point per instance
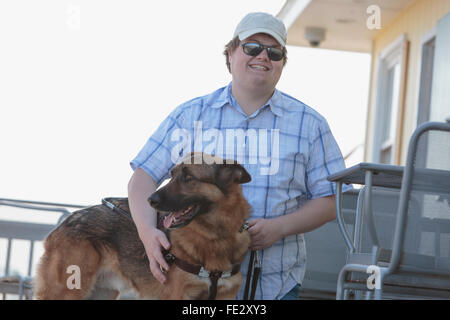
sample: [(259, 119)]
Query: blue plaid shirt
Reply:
[(286, 146)]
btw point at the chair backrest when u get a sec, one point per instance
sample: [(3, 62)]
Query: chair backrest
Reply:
[(423, 220)]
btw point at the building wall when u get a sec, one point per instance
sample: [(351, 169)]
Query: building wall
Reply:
[(415, 21)]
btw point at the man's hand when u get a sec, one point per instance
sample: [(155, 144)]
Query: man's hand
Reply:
[(312, 215), (263, 233), (154, 240)]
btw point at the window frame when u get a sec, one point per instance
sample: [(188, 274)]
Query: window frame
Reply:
[(395, 53)]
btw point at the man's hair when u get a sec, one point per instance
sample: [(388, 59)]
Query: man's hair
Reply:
[(234, 43)]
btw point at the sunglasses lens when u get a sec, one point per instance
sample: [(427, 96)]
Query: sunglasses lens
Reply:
[(275, 54), (252, 49)]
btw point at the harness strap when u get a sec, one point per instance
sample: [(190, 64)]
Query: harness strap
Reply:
[(109, 203), (214, 276), (254, 268), (255, 281), (197, 270), (249, 274)]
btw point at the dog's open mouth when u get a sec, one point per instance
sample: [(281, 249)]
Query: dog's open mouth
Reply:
[(180, 218)]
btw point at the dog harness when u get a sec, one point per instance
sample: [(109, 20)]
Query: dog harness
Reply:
[(201, 272)]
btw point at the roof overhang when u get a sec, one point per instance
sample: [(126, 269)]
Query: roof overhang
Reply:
[(343, 21)]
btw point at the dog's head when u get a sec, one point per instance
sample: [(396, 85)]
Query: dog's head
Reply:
[(198, 185)]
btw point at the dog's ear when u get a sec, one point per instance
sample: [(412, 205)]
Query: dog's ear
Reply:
[(239, 174), (227, 174)]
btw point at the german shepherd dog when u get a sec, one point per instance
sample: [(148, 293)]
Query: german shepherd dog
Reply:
[(203, 213)]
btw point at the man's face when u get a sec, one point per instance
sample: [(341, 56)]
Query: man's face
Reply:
[(256, 73)]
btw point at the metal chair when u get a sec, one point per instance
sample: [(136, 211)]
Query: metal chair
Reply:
[(415, 261)]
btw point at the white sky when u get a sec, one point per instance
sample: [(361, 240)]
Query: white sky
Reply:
[(83, 84)]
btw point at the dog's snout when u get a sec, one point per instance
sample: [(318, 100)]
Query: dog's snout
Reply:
[(155, 199)]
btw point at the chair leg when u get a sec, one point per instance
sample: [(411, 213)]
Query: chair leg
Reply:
[(379, 292), (341, 293), (379, 284), (21, 283), (347, 294)]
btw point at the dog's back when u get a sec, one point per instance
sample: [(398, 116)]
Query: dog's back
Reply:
[(94, 253)]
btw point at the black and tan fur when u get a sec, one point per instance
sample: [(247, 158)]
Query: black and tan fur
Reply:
[(112, 260)]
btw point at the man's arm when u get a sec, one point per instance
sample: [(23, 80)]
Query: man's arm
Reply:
[(140, 187), (312, 215)]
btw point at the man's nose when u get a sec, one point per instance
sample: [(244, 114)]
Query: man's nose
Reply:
[(263, 55)]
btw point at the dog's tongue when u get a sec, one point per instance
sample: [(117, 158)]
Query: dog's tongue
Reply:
[(168, 220), (171, 217)]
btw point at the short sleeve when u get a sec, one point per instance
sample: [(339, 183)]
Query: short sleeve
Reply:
[(159, 154), (325, 158)]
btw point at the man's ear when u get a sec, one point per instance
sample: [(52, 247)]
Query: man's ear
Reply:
[(226, 174)]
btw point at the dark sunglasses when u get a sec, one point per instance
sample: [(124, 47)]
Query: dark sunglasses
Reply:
[(253, 49)]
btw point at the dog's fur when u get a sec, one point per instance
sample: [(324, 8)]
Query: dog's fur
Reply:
[(111, 258)]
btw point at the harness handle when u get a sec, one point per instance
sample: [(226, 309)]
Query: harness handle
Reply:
[(254, 268)]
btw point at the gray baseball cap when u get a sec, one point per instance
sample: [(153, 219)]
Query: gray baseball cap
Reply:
[(261, 22)]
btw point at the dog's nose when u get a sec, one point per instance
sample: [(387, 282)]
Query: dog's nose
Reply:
[(154, 199)]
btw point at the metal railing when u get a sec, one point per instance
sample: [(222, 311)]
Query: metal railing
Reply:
[(10, 230)]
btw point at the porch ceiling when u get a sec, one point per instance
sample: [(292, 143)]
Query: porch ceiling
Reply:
[(344, 22)]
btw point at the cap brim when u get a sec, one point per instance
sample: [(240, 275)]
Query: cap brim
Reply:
[(246, 34)]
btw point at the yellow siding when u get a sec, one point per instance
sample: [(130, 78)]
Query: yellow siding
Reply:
[(415, 21)]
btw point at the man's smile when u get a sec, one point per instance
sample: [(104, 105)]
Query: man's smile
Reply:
[(259, 67)]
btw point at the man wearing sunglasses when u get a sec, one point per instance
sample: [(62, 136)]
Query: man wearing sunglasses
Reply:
[(286, 202)]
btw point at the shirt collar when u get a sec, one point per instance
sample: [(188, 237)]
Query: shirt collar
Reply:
[(275, 102), (223, 98)]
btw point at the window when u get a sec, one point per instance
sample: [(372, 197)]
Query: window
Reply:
[(389, 102), (390, 114)]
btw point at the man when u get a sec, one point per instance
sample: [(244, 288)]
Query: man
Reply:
[(286, 146)]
